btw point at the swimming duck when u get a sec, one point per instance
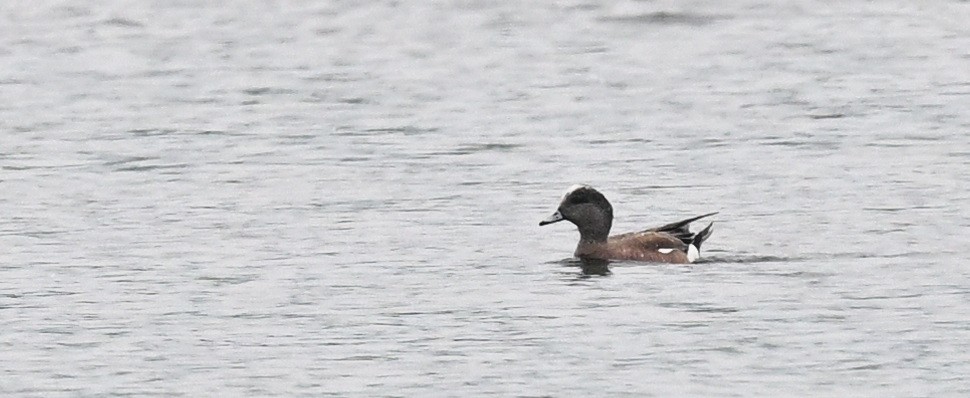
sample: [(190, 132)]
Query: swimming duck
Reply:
[(589, 210)]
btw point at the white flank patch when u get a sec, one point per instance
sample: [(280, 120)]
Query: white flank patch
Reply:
[(692, 253), (665, 250)]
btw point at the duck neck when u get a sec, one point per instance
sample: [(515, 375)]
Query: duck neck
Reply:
[(592, 243), (596, 232)]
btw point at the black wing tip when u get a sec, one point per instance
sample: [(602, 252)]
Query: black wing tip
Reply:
[(701, 236), (706, 215), (681, 226), (692, 219)]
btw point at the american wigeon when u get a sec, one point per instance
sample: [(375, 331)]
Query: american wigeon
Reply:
[(593, 215)]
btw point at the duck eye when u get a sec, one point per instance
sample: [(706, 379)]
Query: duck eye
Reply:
[(578, 199)]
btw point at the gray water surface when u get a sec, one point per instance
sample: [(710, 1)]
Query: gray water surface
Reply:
[(308, 198)]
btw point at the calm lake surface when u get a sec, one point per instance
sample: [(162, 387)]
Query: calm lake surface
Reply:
[(340, 198)]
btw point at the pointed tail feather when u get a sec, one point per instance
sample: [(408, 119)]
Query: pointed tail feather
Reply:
[(681, 229), (694, 249), (681, 226)]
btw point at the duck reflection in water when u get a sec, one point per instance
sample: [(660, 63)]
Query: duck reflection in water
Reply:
[(594, 266)]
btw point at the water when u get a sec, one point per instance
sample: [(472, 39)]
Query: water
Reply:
[(331, 198)]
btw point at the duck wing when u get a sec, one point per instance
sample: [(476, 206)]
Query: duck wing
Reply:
[(680, 229), (654, 240)]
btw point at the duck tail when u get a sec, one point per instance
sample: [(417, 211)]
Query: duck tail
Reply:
[(694, 248)]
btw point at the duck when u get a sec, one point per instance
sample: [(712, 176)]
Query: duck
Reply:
[(592, 214)]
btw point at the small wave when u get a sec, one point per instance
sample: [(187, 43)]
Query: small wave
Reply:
[(129, 159), (262, 90), (150, 132), (141, 168), (699, 307), (123, 22), (719, 259), (404, 130), (745, 259), (666, 18)]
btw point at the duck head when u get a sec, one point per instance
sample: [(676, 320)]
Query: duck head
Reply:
[(588, 209)]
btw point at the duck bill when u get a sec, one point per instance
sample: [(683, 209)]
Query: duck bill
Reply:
[(555, 217)]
